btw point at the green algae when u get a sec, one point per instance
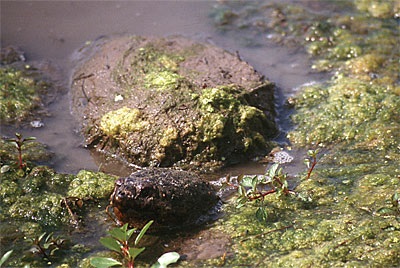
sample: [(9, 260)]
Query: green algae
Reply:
[(338, 228), (122, 122), (378, 8), (89, 184), (352, 219), (151, 67), (19, 95), (163, 80), (226, 114), (348, 110), (339, 36), (37, 199)]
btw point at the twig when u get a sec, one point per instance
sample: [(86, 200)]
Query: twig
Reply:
[(74, 220)]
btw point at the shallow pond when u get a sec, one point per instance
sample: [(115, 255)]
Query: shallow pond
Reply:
[(49, 30), (52, 31)]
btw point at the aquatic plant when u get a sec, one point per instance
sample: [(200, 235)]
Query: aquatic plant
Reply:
[(311, 162), (46, 246), (274, 181), (19, 142), (119, 242)]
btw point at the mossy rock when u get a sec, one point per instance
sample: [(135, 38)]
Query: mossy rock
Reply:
[(171, 102)]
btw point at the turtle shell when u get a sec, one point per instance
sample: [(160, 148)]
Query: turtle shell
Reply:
[(172, 198)]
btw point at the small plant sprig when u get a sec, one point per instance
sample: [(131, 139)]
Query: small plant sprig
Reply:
[(255, 189), (274, 181), (394, 209), (119, 242), (46, 245), (19, 142), (311, 161)]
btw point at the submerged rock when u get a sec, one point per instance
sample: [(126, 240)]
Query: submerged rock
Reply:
[(171, 102), (171, 198)]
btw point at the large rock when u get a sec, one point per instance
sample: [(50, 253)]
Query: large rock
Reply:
[(171, 101)]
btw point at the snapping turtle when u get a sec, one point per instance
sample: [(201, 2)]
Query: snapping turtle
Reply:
[(172, 198)]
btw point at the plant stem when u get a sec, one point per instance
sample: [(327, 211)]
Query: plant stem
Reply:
[(310, 170), (20, 163), (261, 195)]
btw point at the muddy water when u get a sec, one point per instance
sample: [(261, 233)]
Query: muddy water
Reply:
[(52, 30)]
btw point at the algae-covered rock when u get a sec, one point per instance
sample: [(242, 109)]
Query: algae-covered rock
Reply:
[(171, 101)]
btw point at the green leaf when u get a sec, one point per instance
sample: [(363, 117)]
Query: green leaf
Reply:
[(41, 236), (143, 231), (396, 200), (47, 245), (29, 139), (254, 183), (386, 211), (49, 237), (239, 178), (5, 257), (272, 170), (13, 142), (100, 262), (5, 169), (247, 181), (261, 214), (307, 162), (241, 190), (124, 228), (285, 184), (53, 251), (166, 259), (118, 233), (129, 233), (111, 243), (134, 252), (241, 201)]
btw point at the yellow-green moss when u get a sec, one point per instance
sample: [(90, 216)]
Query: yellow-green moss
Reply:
[(169, 136), (224, 112), (122, 121), (379, 8), (162, 80)]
